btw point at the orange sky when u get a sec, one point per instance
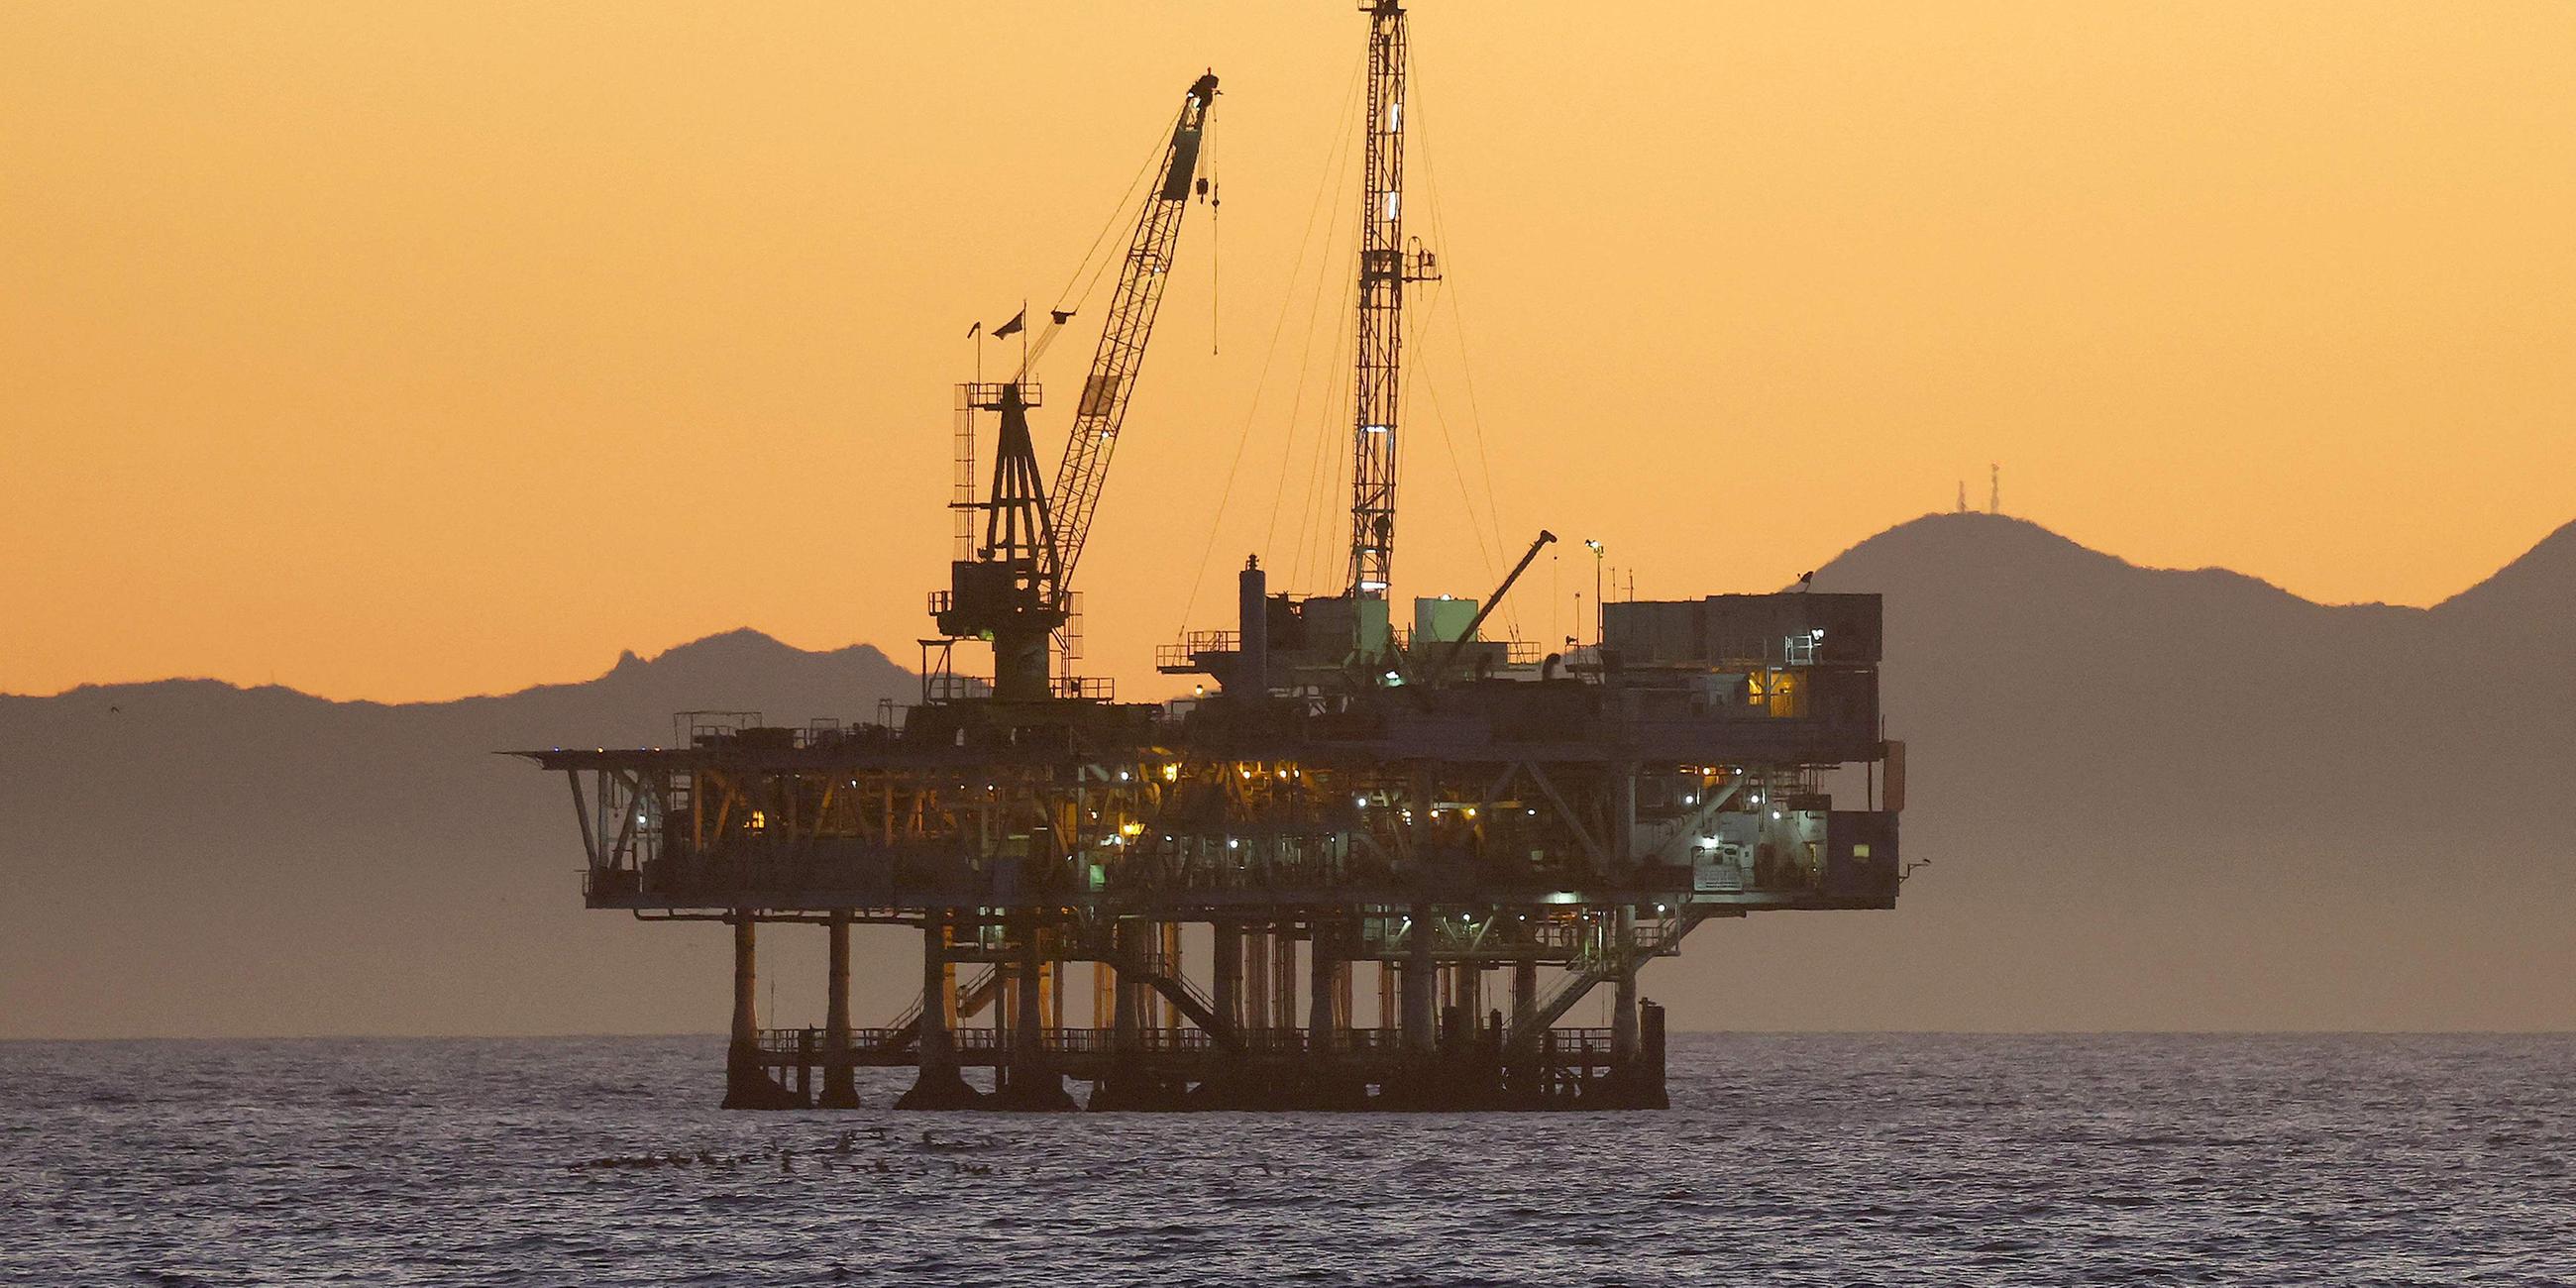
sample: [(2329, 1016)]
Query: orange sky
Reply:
[(414, 350)]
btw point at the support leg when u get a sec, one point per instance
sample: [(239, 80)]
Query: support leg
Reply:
[(1623, 1009), (1420, 983), (1034, 1083), (747, 1084), (1256, 980), (940, 1083), (1320, 979), (1649, 1093), (840, 1076), (1129, 1084), (1329, 1083), (1283, 977), (1228, 972)]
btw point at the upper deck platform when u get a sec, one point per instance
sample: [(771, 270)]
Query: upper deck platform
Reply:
[(1693, 776)]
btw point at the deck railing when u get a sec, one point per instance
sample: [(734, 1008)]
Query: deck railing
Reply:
[(809, 1045)]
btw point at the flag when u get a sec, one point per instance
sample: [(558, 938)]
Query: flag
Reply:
[(1061, 316), (1019, 322)]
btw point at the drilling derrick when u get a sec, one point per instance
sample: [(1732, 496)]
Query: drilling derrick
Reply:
[(1387, 264)]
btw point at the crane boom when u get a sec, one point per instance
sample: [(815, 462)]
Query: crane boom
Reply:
[(1112, 382)]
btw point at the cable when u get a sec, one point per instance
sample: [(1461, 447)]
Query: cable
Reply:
[(1466, 369), (1336, 165), (1458, 470), (1261, 383), (1128, 211), (1118, 216)]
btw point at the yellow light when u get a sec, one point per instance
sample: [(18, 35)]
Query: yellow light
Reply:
[(1131, 829), (1171, 773)]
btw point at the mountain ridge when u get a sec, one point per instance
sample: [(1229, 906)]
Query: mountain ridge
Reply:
[(2540, 579), (739, 646), (2153, 799)]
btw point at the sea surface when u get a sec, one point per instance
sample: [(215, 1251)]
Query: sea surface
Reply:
[(1785, 1160)]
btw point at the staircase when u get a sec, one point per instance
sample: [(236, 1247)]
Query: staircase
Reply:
[(1525, 1035), (906, 1029)]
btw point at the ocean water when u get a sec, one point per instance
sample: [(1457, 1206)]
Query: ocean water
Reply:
[(1785, 1160)]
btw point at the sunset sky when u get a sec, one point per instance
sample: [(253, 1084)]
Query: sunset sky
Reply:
[(407, 351)]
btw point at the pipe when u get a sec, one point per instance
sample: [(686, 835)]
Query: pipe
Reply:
[(1252, 628)]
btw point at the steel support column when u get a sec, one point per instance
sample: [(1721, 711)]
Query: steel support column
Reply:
[(1320, 979), (747, 1085), (840, 1079), (940, 1084), (1227, 971), (1421, 983), (1623, 1005)]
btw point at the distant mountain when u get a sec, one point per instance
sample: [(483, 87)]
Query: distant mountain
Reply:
[(2150, 798), (188, 857), (2162, 799), (2536, 593)]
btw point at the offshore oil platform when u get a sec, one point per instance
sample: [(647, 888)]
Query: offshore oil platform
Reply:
[(1365, 822)]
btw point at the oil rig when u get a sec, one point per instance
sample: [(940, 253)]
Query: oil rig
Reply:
[(1406, 850)]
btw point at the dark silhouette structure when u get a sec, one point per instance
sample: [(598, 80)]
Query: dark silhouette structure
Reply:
[(1424, 804)]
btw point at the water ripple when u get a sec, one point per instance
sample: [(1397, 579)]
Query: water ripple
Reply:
[(1787, 1160)]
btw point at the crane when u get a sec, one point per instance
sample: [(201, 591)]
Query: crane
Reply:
[(1014, 591), (1105, 392)]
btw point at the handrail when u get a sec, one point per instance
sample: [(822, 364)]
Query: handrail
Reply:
[(1571, 989)]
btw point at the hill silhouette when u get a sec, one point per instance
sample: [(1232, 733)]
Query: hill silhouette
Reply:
[(2535, 592), (2152, 798), (188, 857), (2188, 799)]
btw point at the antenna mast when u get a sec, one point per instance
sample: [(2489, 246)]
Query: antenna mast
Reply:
[(1387, 263)]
